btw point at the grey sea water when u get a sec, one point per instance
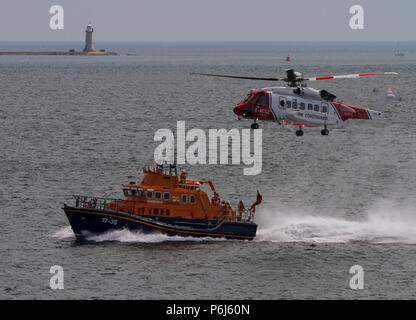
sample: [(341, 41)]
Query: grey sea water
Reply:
[(85, 125)]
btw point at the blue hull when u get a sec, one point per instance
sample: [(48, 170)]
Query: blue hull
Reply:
[(89, 220)]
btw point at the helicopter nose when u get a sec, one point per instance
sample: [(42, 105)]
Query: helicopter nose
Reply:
[(237, 110), (242, 110)]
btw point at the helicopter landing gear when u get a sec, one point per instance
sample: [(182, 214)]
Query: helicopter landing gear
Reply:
[(299, 132), (325, 131), (255, 125)]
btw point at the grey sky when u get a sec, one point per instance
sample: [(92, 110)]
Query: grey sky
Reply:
[(209, 20)]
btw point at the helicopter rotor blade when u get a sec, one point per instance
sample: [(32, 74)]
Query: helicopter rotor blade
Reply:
[(350, 76), (235, 77)]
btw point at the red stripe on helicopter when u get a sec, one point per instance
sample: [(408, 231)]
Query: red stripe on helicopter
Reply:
[(324, 78)]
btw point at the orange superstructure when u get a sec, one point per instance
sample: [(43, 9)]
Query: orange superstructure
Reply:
[(163, 193)]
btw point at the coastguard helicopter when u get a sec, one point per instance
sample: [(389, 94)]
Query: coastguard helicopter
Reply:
[(299, 105)]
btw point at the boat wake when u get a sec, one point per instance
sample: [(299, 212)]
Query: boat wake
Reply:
[(385, 222), (125, 235)]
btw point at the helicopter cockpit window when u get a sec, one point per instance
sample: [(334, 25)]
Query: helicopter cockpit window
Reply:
[(246, 98), (253, 99), (262, 100)]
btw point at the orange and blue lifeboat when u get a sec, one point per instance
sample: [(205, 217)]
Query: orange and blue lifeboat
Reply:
[(162, 202)]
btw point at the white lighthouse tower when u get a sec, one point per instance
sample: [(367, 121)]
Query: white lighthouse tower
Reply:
[(89, 46)]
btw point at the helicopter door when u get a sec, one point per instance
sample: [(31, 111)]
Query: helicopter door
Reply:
[(282, 103)]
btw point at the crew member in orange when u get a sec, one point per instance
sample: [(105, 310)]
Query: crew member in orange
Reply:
[(183, 177), (241, 209)]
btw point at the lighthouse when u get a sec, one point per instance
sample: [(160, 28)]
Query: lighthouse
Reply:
[(89, 46)]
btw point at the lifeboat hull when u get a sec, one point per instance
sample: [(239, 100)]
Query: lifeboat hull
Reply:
[(86, 221)]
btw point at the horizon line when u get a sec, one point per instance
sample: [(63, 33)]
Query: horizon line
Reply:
[(211, 41)]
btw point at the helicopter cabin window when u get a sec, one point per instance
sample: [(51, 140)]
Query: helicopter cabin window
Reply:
[(184, 198), (324, 108), (192, 199), (166, 196), (158, 195), (316, 107), (289, 104), (301, 106), (282, 103), (310, 106), (149, 194), (295, 104)]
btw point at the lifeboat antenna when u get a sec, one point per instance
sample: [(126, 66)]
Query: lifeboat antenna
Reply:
[(172, 166)]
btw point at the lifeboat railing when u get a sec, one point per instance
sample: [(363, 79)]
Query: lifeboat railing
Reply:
[(115, 204), (98, 203), (246, 216)]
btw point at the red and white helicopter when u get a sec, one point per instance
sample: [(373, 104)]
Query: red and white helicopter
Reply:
[(302, 106)]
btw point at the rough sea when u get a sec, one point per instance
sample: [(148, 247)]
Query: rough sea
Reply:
[(85, 125)]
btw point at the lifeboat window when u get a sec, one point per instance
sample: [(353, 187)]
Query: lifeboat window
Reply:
[(316, 108), (125, 191), (324, 108), (149, 194), (155, 211), (135, 193), (301, 106), (141, 194), (184, 198), (166, 196), (191, 199), (262, 101), (168, 212), (161, 212), (158, 195), (310, 106), (295, 104)]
